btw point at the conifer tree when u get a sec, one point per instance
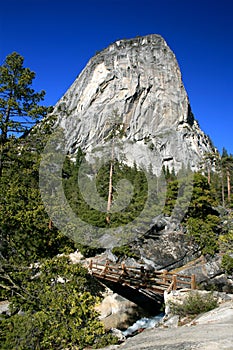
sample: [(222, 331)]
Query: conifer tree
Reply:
[(19, 103), (226, 169), (209, 162)]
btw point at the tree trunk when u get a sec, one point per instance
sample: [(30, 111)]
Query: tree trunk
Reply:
[(3, 138), (228, 185), (50, 225), (110, 187), (208, 170), (223, 194), (1, 163)]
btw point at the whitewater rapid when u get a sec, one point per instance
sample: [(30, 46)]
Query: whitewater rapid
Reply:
[(143, 323)]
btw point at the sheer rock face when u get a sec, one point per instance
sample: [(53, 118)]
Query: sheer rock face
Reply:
[(135, 86)]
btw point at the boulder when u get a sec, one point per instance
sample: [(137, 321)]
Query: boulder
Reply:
[(118, 312)]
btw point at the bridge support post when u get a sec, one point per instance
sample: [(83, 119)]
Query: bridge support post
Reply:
[(90, 266), (104, 271), (193, 282), (165, 276), (174, 282), (123, 267)]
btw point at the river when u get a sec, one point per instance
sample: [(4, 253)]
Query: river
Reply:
[(143, 323)]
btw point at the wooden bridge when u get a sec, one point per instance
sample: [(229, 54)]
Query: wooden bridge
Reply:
[(139, 278)]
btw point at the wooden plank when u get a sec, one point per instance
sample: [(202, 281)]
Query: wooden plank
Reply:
[(132, 279), (180, 275), (155, 288), (138, 277), (112, 279)]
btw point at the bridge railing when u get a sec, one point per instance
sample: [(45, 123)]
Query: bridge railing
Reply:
[(139, 277)]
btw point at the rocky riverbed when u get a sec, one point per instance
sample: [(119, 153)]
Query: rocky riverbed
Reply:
[(210, 331)]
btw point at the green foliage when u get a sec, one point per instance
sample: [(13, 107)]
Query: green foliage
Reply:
[(226, 236), (219, 172), (203, 233), (227, 263), (192, 188), (124, 252), (203, 198), (226, 168), (17, 99), (171, 196), (201, 219), (195, 194), (170, 176), (194, 304), (127, 211), (89, 251), (57, 303), (104, 341), (19, 104), (24, 229), (226, 241), (24, 225)]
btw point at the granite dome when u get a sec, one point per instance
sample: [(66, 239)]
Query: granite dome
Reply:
[(135, 84)]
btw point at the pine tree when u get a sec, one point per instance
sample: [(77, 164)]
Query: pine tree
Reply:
[(19, 103), (226, 173), (209, 162)]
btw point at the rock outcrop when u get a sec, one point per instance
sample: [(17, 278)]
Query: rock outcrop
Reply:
[(118, 312), (209, 331), (165, 246), (135, 87), (209, 273)]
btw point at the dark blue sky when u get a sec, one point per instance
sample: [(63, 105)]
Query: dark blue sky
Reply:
[(58, 37)]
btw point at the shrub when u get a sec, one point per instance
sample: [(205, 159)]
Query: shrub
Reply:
[(194, 304), (124, 251), (89, 251), (227, 263), (57, 303), (203, 233)]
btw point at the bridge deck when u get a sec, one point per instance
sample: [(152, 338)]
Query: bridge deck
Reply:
[(140, 278)]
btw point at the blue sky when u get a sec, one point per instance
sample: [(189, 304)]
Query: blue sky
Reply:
[(58, 37)]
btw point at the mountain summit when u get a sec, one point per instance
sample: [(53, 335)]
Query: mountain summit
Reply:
[(134, 88)]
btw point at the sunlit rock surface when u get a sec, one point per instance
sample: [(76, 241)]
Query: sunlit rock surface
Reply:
[(134, 85), (210, 331)]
